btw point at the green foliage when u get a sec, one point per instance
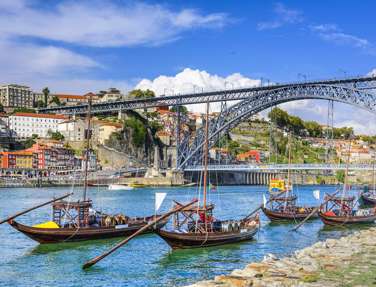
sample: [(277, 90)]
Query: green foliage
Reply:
[(55, 100), (46, 93), (313, 129), (24, 110), (28, 143), (233, 148), (155, 126), (139, 131), (183, 109), (340, 176), (55, 135), (299, 127), (279, 117), (144, 94), (345, 132), (40, 104)]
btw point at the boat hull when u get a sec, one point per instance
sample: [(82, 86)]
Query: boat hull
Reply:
[(368, 200), (342, 220), (195, 240), (60, 235), (283, 216), (119, 187)]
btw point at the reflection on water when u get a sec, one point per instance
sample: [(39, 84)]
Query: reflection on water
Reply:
[(147, 260)]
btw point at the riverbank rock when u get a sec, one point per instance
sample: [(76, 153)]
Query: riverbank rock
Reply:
[(348, 261)]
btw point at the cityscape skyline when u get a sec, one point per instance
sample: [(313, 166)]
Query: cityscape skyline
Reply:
[(130, 43)]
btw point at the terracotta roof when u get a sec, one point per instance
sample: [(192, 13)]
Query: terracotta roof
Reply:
[(21, 152), (47, 116), (64, 96), (163, 133)]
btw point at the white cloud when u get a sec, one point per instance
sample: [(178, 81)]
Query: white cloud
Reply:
[(20, 59), (284, 16), (372, 73), (331, 33), (101, 23), (195, 81)]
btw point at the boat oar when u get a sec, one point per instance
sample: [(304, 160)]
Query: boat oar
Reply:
[(313, 212), (142, 229), (35, 207)]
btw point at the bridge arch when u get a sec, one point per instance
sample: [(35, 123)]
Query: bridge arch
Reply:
[(190, 151)]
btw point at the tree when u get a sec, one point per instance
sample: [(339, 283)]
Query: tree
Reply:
[(30, 141), (24, 110), (182, 109), (295, 124), (46, 93), (279, 117), (40, 104), (138, 94), (340, 176), (313, 129), (139, 131), (55, 100), (55, 135)]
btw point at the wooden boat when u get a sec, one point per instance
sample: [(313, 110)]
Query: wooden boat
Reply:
[(368, 195), (281, 205), (195, 226), (78, 221), (120, 187), (285, 209), (69, 234), (342, 210), (368, 198)]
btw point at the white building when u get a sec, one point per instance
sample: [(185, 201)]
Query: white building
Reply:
[(25, 125), (73, 130), (16, 96)]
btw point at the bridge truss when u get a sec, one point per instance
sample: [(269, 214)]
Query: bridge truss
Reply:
[(361, 96)]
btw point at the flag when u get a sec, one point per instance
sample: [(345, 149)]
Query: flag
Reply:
[(264, 200), (159, 197), (316, 194)]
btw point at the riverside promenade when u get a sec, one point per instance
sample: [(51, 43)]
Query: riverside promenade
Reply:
[(348, 261)]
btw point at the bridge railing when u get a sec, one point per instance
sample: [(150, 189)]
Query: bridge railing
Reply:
[(261, 167)]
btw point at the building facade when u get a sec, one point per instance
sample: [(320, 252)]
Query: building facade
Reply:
[(16, 96), (17, 160), (24, 125)]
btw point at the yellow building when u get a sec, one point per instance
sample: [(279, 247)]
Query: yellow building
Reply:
[(103, 130), (24, 159)]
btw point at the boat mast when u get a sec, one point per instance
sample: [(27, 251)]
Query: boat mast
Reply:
[(373, 175), (206, 151), (88, 137), (344, 191), (288, 167)]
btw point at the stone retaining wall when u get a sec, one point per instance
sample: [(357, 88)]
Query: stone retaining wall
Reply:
[(348, 261)]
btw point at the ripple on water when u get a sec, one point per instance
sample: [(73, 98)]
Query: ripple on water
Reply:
[(146, 261)]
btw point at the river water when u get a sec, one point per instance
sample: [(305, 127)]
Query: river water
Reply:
[(147, 260)]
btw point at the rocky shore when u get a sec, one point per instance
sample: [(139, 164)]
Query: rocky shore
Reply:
[(348, 261)]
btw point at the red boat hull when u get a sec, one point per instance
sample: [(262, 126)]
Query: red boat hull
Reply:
[(342, 220)]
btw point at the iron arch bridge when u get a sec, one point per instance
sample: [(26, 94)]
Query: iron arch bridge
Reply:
[(190, 151)]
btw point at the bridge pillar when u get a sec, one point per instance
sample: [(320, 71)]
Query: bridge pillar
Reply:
[(119, 114)]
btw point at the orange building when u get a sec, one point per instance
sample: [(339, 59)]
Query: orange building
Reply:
[(252, 155), (17, 159)]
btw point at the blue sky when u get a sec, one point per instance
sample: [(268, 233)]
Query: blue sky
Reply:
[(76, 46)]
